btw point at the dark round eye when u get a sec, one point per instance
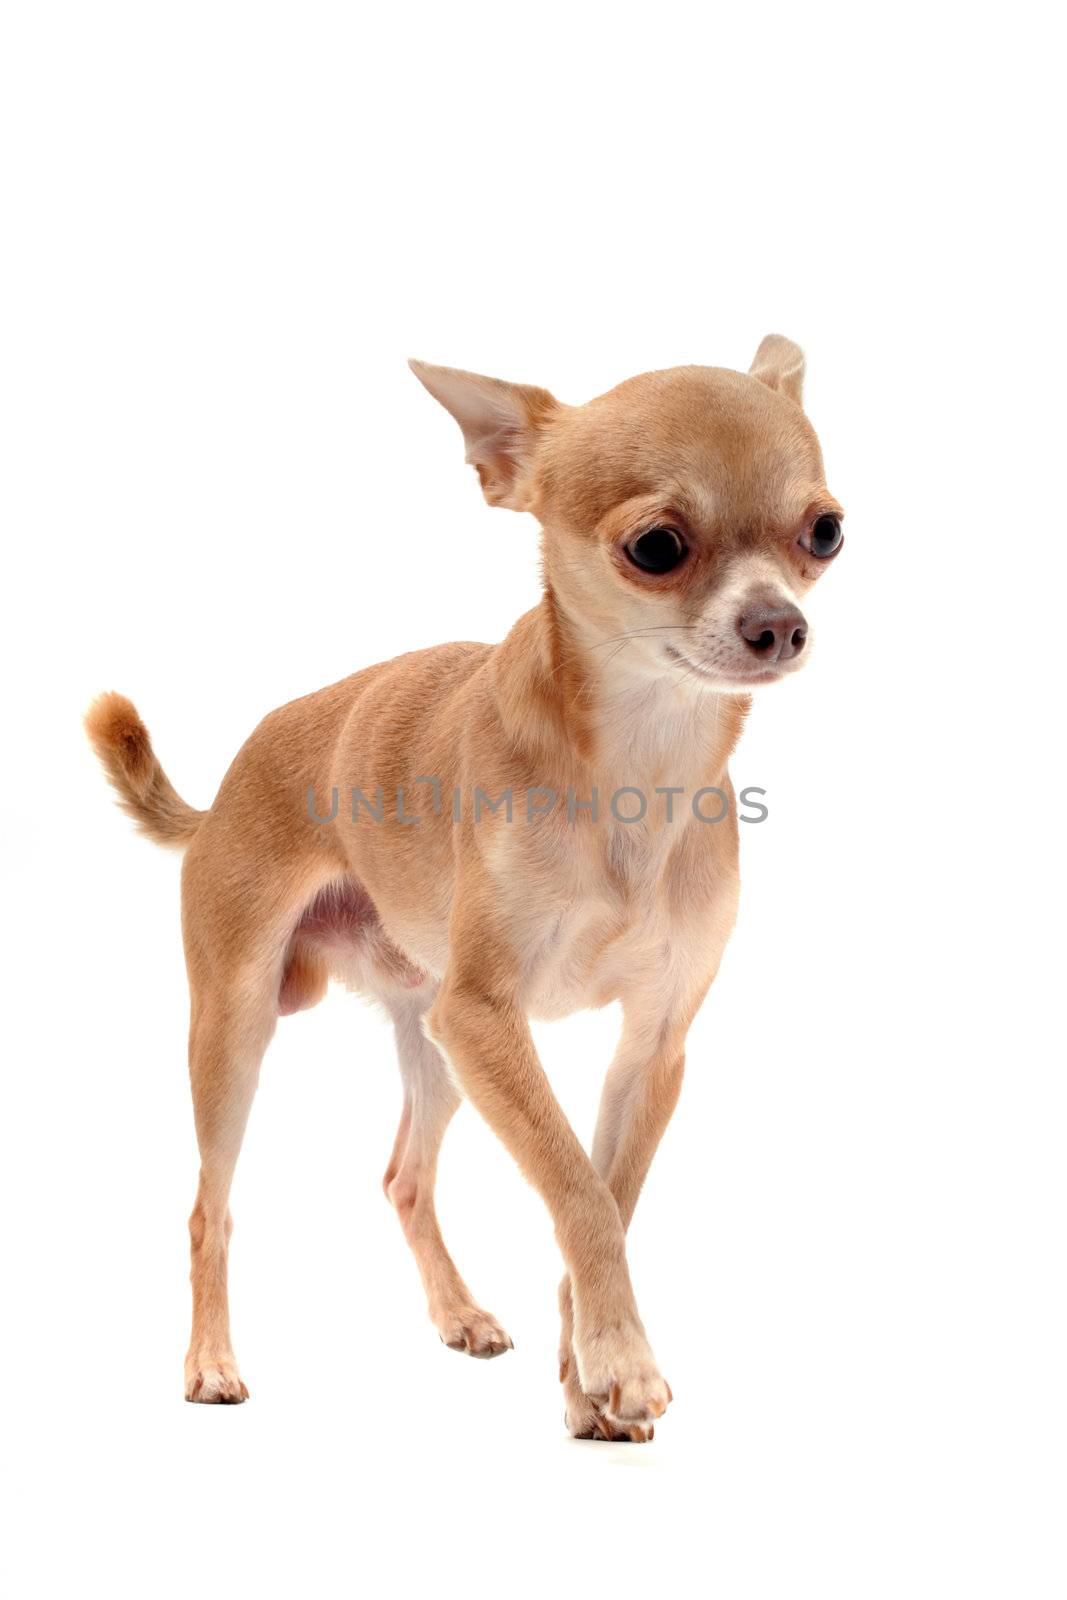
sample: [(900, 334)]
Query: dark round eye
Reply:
[(825, 536), (657, 550)]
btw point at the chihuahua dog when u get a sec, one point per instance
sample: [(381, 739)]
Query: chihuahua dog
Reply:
[(563, 853)]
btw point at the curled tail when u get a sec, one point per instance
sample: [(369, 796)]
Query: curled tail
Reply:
[(121, 740)]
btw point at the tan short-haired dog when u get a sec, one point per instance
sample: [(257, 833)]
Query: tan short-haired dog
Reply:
[(479, 834)]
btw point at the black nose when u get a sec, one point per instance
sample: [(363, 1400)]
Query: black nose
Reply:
[(778, 633)]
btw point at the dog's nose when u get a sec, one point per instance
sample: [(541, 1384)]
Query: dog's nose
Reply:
[(778, 633)]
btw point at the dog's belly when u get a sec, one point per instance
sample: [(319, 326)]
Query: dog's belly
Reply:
[(340, 934)]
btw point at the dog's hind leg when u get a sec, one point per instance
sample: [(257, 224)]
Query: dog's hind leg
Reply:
[(228, 1034), (430, 1101), (237, 924)]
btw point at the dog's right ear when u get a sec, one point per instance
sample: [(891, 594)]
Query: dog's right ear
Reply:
[(501, 423), (779, 363)]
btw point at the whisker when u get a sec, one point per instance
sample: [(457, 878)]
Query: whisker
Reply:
[(631, 633)]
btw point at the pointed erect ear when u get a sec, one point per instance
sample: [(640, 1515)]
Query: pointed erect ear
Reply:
[(500, 422), (779, 364)]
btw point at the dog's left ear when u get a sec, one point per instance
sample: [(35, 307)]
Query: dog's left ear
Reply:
[(501, 423), (779, 363)]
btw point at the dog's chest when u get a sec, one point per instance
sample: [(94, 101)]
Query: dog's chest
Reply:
[(597, 926), (581, 963)]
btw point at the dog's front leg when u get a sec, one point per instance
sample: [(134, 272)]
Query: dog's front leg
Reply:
[(640, 1094), (485, 1037)]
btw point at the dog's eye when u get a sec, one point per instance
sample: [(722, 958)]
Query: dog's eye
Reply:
[(657, 550), (825, 536)]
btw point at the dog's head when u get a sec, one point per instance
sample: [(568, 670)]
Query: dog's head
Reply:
[(684, 512)]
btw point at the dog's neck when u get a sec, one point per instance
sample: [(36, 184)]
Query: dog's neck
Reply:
[(585, 712)]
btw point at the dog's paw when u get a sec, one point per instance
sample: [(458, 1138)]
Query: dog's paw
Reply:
[(618, 1373), (584, 1418), (474, 1332), (214, 1381)]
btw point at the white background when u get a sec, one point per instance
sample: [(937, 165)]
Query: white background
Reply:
[(226, 227)]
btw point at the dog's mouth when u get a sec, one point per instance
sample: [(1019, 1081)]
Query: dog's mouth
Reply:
[(735, 677)]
